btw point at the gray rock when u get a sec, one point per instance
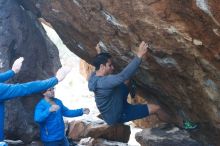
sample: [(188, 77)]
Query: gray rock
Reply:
[(171, 137)]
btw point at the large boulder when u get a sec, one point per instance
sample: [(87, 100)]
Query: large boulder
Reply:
[(21, 34), (182, 68), (98, 129)]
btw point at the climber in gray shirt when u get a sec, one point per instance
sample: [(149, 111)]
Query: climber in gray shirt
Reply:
[(111, 91)]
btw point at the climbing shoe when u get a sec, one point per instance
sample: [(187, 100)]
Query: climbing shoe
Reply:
[(188, 125)]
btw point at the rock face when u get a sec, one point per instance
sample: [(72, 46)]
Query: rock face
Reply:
[(22, 35), (159, 137), (182, 68), (86, 69), (97, 129)]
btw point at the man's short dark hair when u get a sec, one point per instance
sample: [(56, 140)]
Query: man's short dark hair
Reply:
[(42, 92), (101, 58)]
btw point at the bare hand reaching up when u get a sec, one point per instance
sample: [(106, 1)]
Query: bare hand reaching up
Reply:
[(16, 67), (62, 72), (142, 50)]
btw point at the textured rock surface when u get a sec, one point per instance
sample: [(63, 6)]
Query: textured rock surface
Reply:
[(182, 70), (159, 137), (22, 35), (20, 143), (97, 129), (99, 142)]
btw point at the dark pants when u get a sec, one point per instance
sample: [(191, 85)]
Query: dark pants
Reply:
[(62, 142), (131, 112)]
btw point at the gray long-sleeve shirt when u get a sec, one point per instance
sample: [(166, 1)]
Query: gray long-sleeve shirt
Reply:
[(108, 94)]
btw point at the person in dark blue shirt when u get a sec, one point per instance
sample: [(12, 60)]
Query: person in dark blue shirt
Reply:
[(11, 91), (49, 114)]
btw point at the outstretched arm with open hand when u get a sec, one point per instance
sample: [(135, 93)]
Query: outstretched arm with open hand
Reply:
[(10, 91)]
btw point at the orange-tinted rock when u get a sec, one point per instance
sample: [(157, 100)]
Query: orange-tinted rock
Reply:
[(85, 69), (84, 129)]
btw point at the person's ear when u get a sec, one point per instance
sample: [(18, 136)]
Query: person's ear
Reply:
[(102, 66)]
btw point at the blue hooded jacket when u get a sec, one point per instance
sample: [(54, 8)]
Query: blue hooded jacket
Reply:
[(51, 123), (10, 91), (108, 91)]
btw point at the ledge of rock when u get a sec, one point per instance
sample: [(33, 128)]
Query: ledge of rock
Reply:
[(98, 129)]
